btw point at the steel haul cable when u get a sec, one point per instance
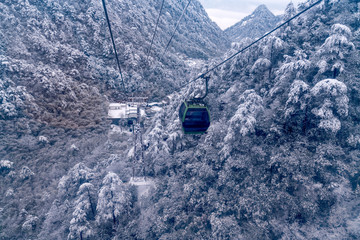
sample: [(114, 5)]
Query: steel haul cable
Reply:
[(177, 25), (114, 46), (156, 27)]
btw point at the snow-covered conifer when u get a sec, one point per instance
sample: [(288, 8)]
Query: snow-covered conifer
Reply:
[(290, 11), (329, 103), (333, 52), (84, 212), (297, 97), (259, 68), (76, 176), (113, 200), (244, 120)]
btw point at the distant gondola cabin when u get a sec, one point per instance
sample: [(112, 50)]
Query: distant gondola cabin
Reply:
[(195, 117)]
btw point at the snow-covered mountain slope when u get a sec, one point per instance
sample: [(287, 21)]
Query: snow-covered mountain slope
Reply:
[(60, 50), (254, 25), (57, 75)]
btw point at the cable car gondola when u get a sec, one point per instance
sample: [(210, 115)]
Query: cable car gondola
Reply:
[(194, 115)]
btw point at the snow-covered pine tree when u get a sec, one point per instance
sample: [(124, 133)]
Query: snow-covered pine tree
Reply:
[(334, 52), (329, 104), (113, 205), (84, 212)]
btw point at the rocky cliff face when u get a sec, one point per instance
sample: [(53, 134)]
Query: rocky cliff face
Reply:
[(254, 25)]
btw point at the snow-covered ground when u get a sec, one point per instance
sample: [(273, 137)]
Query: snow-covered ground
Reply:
[(144, 185)]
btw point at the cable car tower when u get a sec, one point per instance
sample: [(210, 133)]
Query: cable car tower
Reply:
[(139, 168)]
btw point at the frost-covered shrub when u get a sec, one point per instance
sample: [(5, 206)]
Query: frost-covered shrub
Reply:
[(297, 97), (9, 192), (25, 173), (30, 223), (43, 140), (329, 103), (6, 166)]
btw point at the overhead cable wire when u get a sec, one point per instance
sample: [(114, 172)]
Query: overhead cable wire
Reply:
[(177, 25), (156, 27), (114, 46), (253, 43)]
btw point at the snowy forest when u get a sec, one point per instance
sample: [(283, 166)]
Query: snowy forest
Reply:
[(280, 160)]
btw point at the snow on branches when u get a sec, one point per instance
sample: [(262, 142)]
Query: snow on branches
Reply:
[(12, 99), (297, 97), (329, 103), (80, 227), (6, 165), (112, 200), (335, 49), (78, 175), (244, 120)]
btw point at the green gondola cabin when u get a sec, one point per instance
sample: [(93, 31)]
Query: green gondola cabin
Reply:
[(195, 117)]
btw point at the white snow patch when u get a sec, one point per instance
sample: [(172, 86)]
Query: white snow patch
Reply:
[(144, 185), (6, 164), (43, 139), (9, 192), (142, 113), (74, 147), (156, 109), (194, 63), (155, 104), (115, 129), (131, 153)]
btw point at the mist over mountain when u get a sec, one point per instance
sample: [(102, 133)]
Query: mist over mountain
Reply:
[(254, 25), (280, 160)]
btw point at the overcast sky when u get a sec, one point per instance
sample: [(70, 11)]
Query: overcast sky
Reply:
[(228, 12)]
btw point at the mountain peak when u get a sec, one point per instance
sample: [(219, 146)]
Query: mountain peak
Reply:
[(254, 25), (261, 8)]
